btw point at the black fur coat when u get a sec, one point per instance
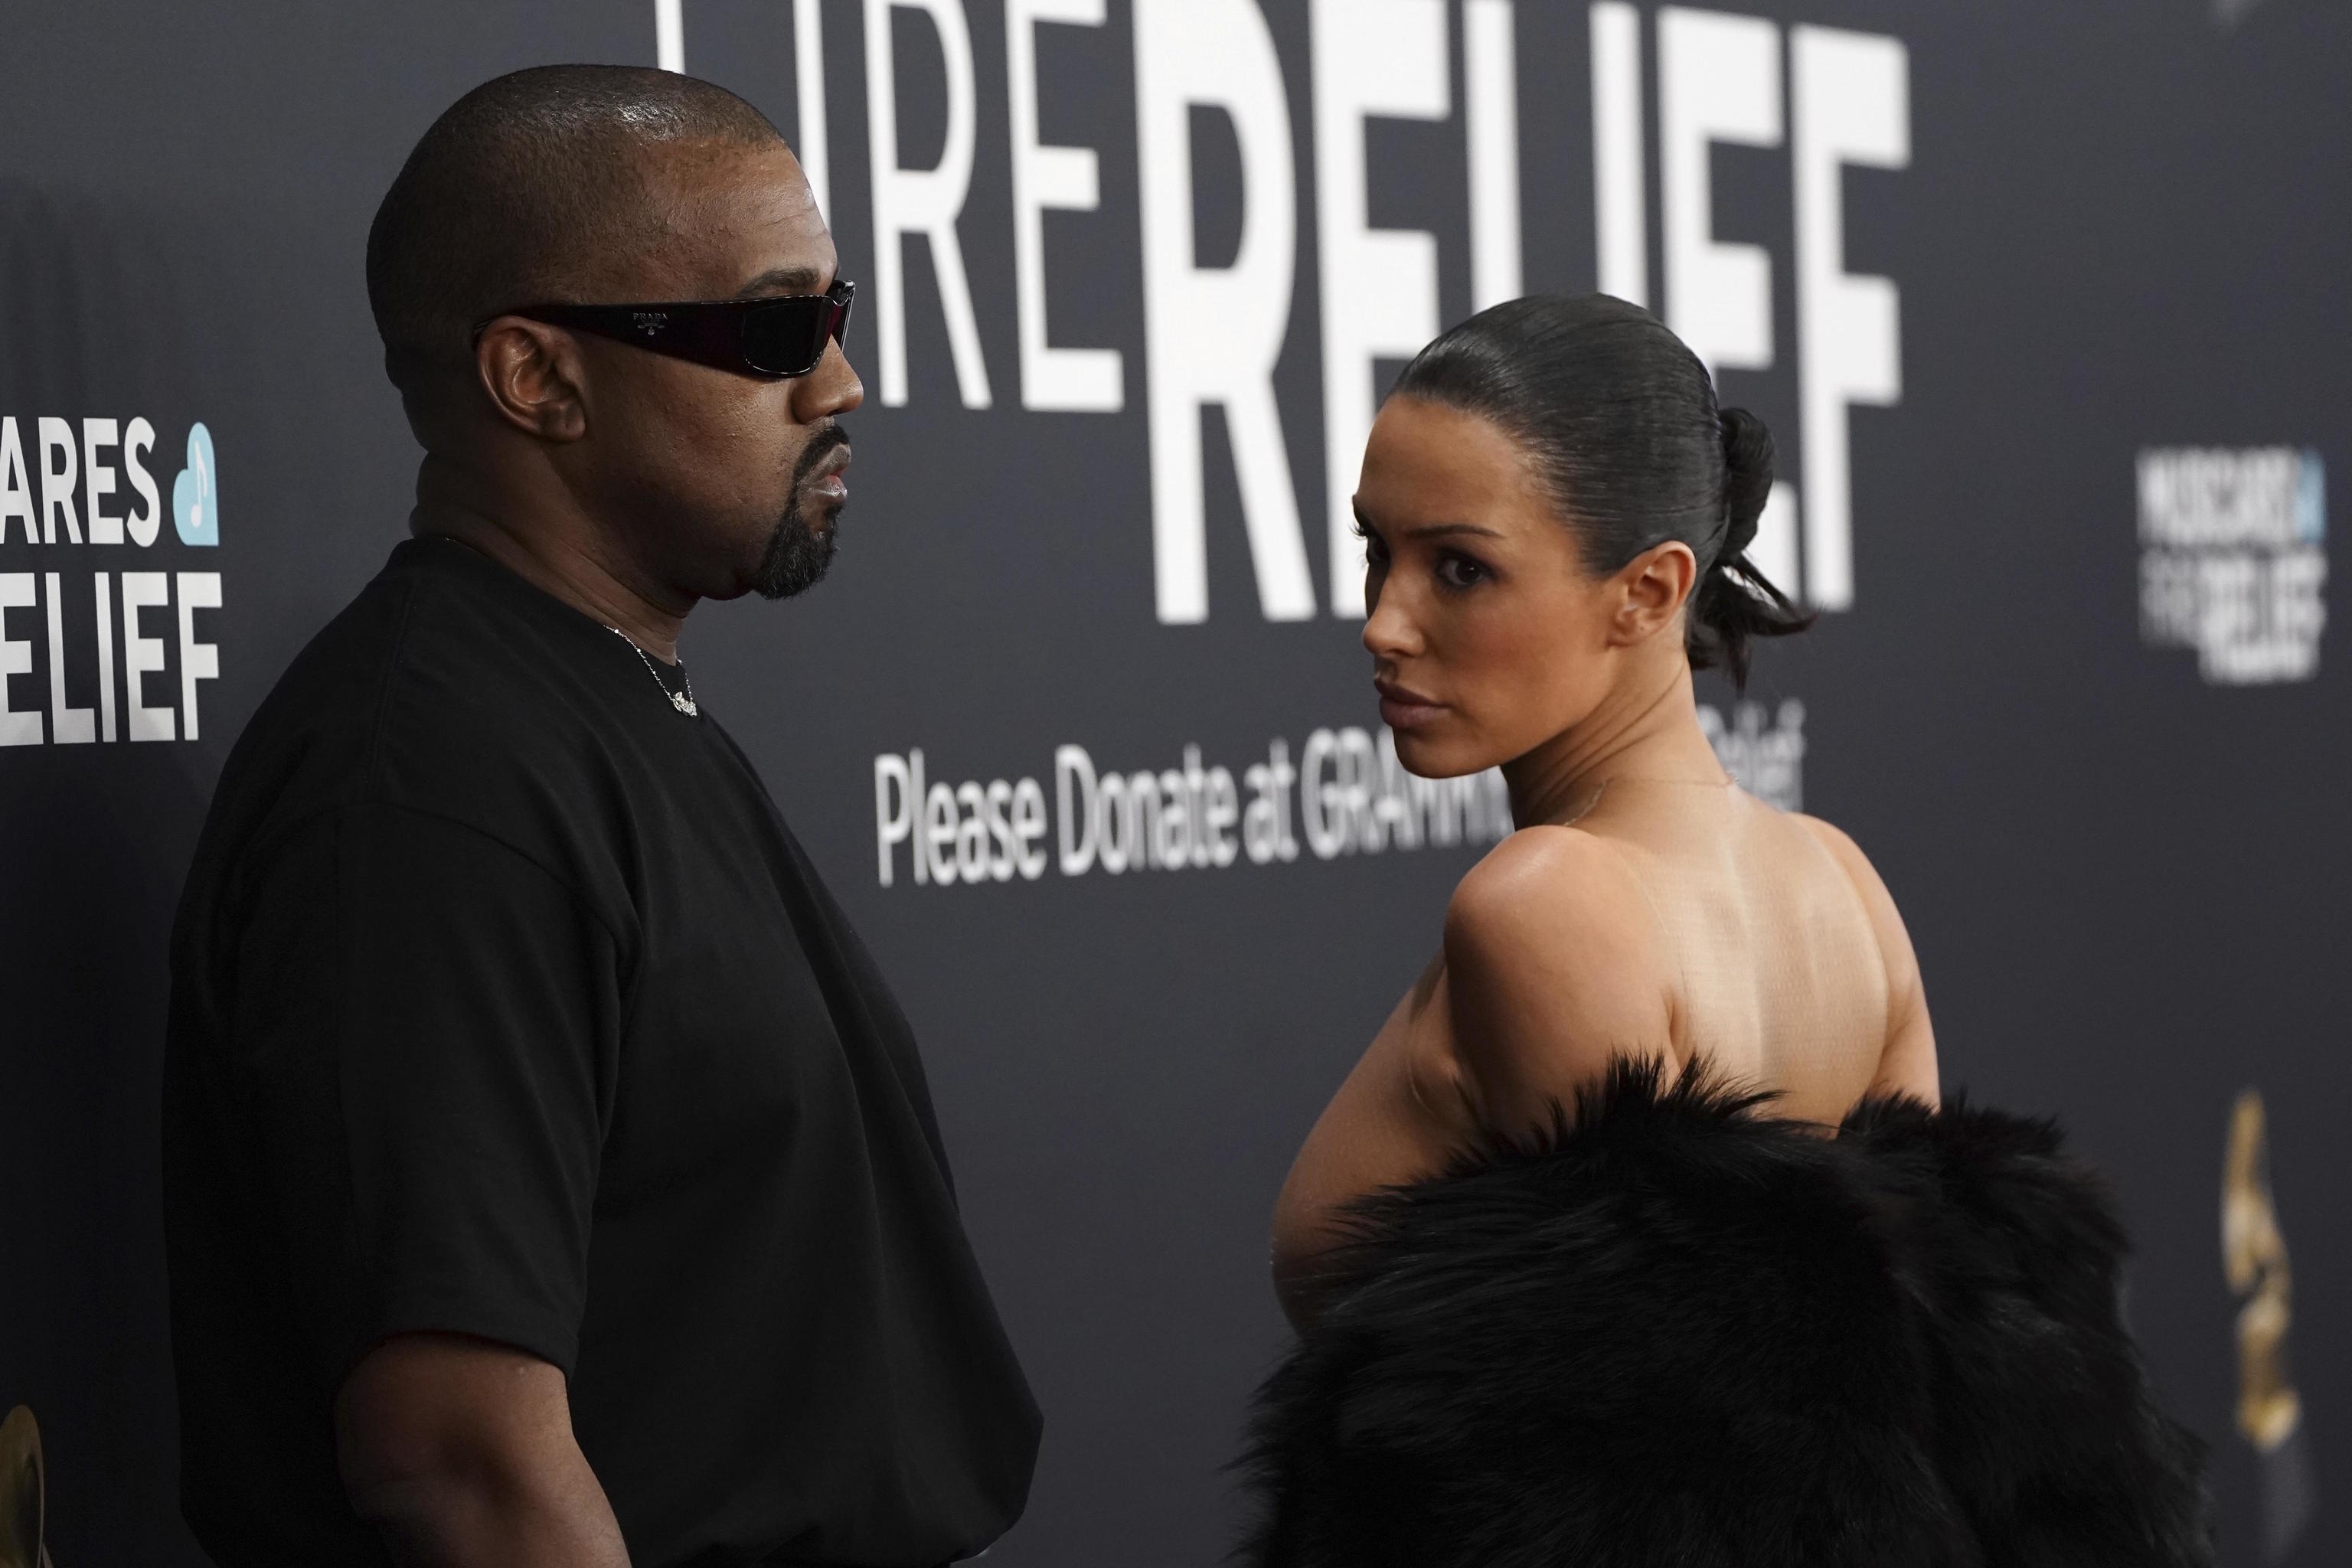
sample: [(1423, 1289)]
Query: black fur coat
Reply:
[(1682, 1334)]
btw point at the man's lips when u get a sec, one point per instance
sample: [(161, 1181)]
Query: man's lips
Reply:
[(829, 478), (1402, 708)]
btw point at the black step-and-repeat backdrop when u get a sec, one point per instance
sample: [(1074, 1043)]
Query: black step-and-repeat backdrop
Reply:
[(2046, 304)]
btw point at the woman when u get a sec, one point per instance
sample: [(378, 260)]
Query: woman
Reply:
[(1580, 1274)]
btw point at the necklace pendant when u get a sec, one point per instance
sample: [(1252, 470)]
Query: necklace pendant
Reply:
[(683, 703)]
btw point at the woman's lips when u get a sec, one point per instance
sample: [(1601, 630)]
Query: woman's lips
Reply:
[(1404, 708)]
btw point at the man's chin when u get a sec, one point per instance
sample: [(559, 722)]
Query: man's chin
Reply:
[(798, 556)]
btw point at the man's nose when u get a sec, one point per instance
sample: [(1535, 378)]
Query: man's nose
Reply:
[(832, 388)]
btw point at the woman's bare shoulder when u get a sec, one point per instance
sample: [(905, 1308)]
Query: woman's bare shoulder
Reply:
[(1544, 863), (1546, 882), (1867, 883), (1908, 1063), (1837, 841), (1554, 965)]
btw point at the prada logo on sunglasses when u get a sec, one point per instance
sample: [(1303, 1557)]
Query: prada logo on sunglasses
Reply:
[(649, 322)]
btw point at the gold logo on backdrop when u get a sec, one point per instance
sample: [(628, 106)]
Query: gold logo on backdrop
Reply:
[(2253, 1256), (20, 1492)]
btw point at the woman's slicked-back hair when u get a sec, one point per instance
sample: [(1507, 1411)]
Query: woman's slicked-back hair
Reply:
[(1620, 420)]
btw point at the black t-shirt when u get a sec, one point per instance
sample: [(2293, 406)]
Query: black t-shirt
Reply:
[(504, 1003)]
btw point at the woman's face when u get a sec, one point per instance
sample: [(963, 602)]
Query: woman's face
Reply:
[(1488, 636)]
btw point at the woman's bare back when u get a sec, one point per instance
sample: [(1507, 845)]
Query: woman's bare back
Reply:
[(1779, 969), (1677, 921)]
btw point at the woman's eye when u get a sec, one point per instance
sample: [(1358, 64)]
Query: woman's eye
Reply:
[(1374, 550), (1459, 571)]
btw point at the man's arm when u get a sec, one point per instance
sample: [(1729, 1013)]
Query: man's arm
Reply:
[(425, 1045), (461, 1452)]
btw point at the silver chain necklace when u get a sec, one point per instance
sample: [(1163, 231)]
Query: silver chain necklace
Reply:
[(681, 700)]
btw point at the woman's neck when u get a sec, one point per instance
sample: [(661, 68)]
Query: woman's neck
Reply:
[(1648, 729)]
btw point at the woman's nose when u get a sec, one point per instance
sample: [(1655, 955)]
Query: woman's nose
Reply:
[(1389, 631)]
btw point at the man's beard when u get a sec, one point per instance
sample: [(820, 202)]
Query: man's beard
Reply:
[(799, 552)]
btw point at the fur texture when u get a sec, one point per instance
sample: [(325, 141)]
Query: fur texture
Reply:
[(1677, 1334)]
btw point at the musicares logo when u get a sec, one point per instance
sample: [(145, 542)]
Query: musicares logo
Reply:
[(2233, 559), (63, 500)]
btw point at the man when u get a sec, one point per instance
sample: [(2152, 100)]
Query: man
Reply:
[(550, 1177)]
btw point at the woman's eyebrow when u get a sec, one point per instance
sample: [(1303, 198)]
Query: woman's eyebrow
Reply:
[(1441, 529)]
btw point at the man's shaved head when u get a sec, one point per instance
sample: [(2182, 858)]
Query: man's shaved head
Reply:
[(516, 191)]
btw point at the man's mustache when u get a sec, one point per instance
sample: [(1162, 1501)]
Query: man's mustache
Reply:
[(828, 436)]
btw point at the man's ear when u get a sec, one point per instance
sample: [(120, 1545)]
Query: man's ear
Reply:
[(1652, 589), (534, 377)]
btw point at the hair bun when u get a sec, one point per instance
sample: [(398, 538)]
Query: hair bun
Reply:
[(1746, 477)]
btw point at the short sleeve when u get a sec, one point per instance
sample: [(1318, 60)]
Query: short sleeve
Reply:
[(426, 1035)]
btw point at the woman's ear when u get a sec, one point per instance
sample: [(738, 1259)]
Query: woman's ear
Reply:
[(1652, 589)]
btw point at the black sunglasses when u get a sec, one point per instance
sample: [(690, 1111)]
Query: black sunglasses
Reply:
[(773, 337)]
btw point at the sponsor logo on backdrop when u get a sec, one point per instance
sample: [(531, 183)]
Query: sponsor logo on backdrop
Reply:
[(85, 490), (2233, 559)]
